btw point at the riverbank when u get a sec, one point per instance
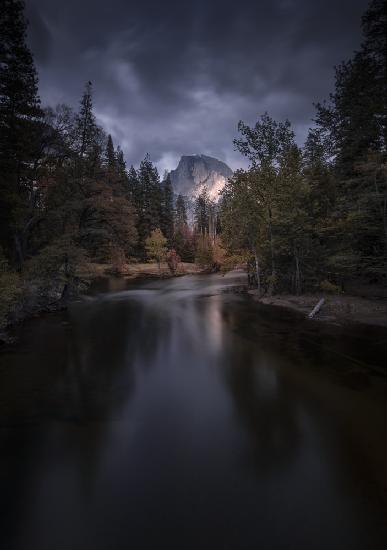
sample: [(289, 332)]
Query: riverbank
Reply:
[(337, 309), (142, 270), (33, 301)]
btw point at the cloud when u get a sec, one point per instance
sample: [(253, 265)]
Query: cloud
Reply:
[(173, 78)]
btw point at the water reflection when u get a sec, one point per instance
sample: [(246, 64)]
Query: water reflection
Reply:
[(170, 411)]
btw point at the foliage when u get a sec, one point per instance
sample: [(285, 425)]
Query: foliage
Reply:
[(22, 132), (327, 286), (156, 246), (184, 237), (9, 289), (318, 214), (173, 261), (57, 270)]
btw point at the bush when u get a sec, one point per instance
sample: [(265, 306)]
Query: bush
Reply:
[(204, 253), (327, 286), (9, 290)]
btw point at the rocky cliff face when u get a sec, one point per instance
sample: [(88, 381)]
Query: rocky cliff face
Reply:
[(197, 172)]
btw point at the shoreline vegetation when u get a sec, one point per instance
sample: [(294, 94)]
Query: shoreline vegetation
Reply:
[(32, 301), (362, 305)]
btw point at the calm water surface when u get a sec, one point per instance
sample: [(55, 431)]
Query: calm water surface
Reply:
[(177, 414)]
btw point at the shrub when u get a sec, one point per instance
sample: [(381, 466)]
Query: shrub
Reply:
[(327, 286)]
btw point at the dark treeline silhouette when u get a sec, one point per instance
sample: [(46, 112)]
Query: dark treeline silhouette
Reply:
[(316, 217)]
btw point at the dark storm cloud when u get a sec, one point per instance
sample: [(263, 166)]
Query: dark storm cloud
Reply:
[(175, 77)]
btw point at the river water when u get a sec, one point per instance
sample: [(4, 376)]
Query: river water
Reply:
[(178, 414)]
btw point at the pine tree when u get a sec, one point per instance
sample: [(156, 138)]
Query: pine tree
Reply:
[(110, 154), (149, 212), (134, 188), (202, 213), (183, 240), (167, 212), (86, 125), (21, 129), (355, 123), (181, 212)]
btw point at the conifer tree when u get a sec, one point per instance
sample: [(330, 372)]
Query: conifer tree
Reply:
[(181, 212), (183, 240), (134, 188), (87, 131), (110, 155), (21, 129), (202, 213), (354, 121), (167, 213), (149, 213)]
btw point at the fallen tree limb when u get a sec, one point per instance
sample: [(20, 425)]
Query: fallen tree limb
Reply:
[(316, 308)]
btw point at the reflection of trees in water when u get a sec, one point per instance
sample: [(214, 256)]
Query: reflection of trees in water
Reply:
[(107, 341), (89, 373), (263, 402)]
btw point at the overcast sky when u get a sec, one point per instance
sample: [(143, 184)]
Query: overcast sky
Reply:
[(174, 77)]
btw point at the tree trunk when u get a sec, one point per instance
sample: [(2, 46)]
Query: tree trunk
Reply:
[(316, 308), (257, 270), (18, 251), (271, 285), (297, 281), (385, 222), (66, 289)]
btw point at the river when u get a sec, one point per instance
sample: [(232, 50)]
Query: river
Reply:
[(179, 414)]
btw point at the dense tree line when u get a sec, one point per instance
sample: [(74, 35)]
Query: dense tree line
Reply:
[(316, 216), (66, 196)]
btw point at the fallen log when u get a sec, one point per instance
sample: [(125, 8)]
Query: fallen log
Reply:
[(316, 308)]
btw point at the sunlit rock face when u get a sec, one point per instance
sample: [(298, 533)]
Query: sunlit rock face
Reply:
[(198, 172)]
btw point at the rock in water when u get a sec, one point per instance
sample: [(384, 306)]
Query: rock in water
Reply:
[(198, 172)]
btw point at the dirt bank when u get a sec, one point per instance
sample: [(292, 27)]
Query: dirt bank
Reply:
[(340, 309)]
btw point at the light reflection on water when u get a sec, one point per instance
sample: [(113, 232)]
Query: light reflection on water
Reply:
[(171, 413)]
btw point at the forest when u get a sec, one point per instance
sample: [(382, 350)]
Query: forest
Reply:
[(303, 219)]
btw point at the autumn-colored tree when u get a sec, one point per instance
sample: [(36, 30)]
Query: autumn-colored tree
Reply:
[(156, 246), (173, 260)]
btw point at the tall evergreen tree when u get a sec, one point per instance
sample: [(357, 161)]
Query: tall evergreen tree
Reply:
[(110, 154), (86, 125), (183, 240), (202, 213), (181, 212), (134, 194), (167, 212), (21, 128), (355, 123), (149, 213)]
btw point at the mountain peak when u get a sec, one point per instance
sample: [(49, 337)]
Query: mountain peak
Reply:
[(195, 173)]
